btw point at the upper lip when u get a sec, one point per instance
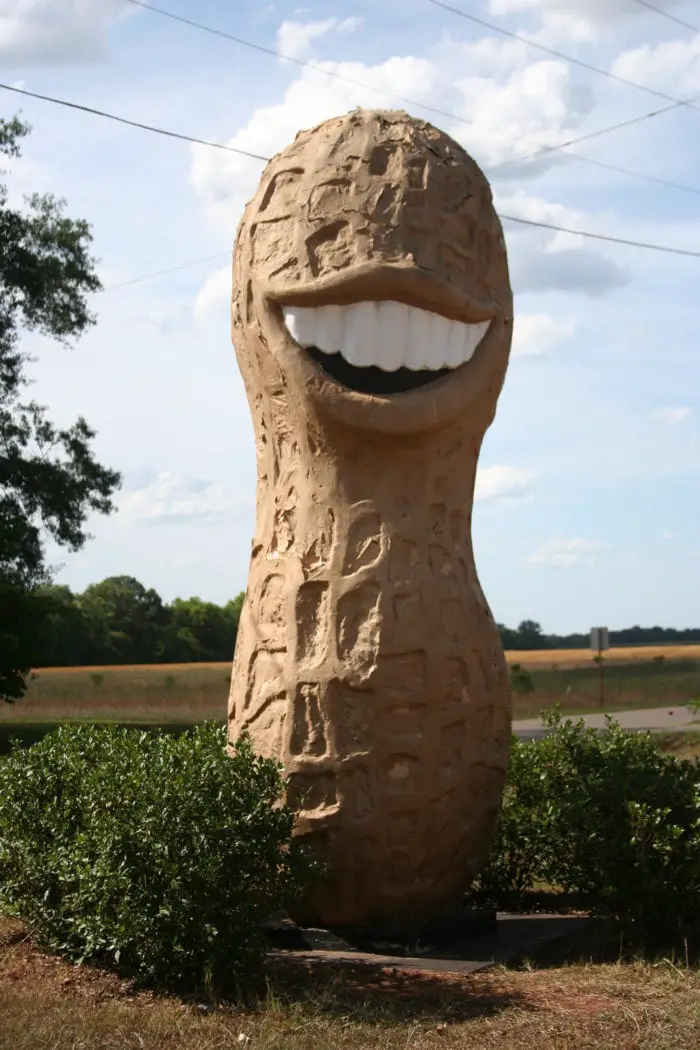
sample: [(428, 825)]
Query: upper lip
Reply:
[(400, 282)]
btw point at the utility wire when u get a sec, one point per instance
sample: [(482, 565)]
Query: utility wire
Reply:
[(600, 163), (445, 113), (559, 54), (667, 14), (164, 273), (400, 98), (603, 237), (131, 123), (256, 156), (505, 218)]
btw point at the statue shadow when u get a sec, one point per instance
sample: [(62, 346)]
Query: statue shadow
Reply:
[(380, 995)]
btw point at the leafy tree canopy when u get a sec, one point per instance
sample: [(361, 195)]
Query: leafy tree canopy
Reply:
[(50, 480)]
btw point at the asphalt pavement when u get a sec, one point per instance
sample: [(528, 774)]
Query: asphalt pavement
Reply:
[(651, 719)]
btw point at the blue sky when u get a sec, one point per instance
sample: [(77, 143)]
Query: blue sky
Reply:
[(588, 500)]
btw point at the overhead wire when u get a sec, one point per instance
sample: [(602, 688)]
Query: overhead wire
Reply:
[(130, 123), (305, 64), (668, 15), (602, 237), (669, 249), (543, 150), (560, 54), (166, 272)]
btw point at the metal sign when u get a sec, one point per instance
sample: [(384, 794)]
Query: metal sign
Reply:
[(599, 639)]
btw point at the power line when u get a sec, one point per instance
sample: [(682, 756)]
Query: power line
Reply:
[(131, 123), (506, 218), (604, 237), (668, 15), (559, 54), (164, 273), (600, 163), (304, 64), (256, 156)]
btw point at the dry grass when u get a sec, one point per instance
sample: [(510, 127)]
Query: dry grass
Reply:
[(682, 745), (46, 1004), (533, 658), (186, 693), (153, 693), (568, 658)]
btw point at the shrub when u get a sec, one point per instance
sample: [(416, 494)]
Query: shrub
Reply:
[(521, 680), (152, 851), (606, 817)]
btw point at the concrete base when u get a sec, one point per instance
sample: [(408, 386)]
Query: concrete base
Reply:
[(501, 938)]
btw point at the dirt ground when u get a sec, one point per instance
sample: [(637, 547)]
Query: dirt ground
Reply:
[(47, 1004)]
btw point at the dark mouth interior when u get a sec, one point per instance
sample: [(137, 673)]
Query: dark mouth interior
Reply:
[(372, 380)]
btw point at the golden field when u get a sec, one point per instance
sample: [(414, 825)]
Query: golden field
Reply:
[(186, 693), (567, 658), (532, 658)]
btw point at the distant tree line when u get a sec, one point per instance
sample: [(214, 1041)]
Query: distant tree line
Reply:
[(529, 635), (119, 621)]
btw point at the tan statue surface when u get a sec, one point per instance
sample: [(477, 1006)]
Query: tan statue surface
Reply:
[(372, 321)]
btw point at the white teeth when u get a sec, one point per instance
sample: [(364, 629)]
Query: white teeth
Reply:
[(439, 338), (392, 335), (329, 328), (360, 335), (301, 323), (388, 335), (418, 341)]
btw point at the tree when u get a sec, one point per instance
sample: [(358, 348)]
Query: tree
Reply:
[(126, 620), (49, 478), (531, 636), (212, 627)]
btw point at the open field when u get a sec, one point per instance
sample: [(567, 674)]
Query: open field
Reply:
[(187, 693), (47, 1004), (532, 659)]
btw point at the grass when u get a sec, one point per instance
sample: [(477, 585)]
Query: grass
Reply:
[(47, 1004), (567, 658), (188, 693), (683, 745)]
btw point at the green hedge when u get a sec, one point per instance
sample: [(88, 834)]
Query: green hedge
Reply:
[(152, 851), (605, 817)]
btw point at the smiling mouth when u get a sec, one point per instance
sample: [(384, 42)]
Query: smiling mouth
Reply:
[(383, 347)]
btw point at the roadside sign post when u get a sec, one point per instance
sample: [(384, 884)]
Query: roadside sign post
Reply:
[(599, 642)]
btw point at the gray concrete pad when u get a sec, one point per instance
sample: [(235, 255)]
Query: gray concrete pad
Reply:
[(511, 938)]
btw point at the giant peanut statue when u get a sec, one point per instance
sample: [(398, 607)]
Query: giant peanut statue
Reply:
[(372, 321)]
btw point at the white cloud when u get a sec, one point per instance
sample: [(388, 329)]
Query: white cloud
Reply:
[(672, 66), (294, 39), (503, 482), (214, 294), (226, 181), (174, 499), (56, 32), (538, 334), (576, 20), (552, 261), (670, 417), (538, 101), (533, 102), (564, 554)]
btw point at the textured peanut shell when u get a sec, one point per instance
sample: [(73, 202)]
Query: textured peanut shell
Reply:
[(367, 659)]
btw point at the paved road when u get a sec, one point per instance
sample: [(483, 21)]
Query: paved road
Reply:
[(654, 719)]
